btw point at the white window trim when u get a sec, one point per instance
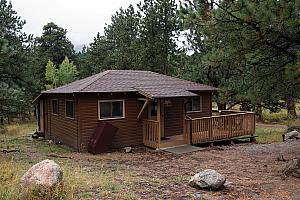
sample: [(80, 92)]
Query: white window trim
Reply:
[(52, 107), (201, 104), (112, 100), (66, 109)]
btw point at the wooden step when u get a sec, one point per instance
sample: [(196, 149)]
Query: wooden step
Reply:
[(172, 143)]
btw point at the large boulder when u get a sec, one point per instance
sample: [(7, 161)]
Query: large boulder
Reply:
[(292, 168), (45, 173), (207, 179), (292, 135)]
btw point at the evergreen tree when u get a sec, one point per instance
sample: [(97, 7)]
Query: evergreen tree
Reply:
[(159, 28), (15, 72), (52, 45), (245, 48), (119, 47)]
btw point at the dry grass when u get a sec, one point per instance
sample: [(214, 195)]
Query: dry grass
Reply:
[(80, 181), (143, 174), (281, 116), (269, 135)]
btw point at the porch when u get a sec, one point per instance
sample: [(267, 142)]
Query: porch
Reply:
[(223, 125)]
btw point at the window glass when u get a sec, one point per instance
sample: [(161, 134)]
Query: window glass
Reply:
[(55, 106), (105, 109), (70, 109), (111, 109), (194, 104), (117, 109)]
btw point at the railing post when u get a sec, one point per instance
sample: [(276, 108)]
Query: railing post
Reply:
[(210, 128)]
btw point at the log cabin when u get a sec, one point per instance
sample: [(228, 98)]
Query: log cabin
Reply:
[(148, 108)]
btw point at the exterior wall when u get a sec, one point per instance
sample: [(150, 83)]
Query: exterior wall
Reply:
[(206, 106), (130, 129), (58, 127), (77, 132), (174, 114)]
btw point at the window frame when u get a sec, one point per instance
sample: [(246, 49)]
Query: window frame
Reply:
[(52, 107), (66, 109), (200, 105), (111, 101)]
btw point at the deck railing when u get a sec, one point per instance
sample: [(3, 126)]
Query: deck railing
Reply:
[(221, 127), (151, 133)]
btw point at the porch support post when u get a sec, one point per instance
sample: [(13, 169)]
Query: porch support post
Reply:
[(159, 120), (143, 108)]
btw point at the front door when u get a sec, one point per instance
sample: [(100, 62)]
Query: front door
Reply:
[(152, 114)]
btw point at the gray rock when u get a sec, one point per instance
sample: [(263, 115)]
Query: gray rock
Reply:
[(292, 135), (207, 179), (45, 173), (292, 168), (128, 149), (228, 184), (293, 128)]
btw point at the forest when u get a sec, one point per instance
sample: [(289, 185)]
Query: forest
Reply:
[(248, 49)]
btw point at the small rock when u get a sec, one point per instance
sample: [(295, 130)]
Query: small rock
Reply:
[(207, 179), (128, 149), (228, 184), (45, 173), (292, 135), (292, 168), (280, 157), (198, 196)]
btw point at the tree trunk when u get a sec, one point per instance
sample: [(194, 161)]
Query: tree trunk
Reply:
[(258, 112), (291, 107), (221, 106)]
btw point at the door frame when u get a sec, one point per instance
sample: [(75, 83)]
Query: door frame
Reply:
[(41, 112)]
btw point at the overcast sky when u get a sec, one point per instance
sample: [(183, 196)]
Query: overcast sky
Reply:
[(82, 18)]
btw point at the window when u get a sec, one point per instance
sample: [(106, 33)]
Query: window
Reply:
[(55, 108), (113, 109), (70, 109), (194, 104), (153, 108)]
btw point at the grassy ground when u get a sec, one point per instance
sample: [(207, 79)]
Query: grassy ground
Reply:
[(269, 135), (81, 182), (144, 174)]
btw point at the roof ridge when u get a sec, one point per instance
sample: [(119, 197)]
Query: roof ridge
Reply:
[(97, 76)]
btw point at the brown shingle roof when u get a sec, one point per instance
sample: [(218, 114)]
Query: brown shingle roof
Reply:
[(150, 84)]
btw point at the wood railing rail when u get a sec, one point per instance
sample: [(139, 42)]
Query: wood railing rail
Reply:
[(151, 133), (220, 127)]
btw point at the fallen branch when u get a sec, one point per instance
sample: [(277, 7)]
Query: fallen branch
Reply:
[(10, 151), (59, 156)]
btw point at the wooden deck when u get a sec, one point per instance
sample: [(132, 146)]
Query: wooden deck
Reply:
[(220, 127), (228, 124)]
